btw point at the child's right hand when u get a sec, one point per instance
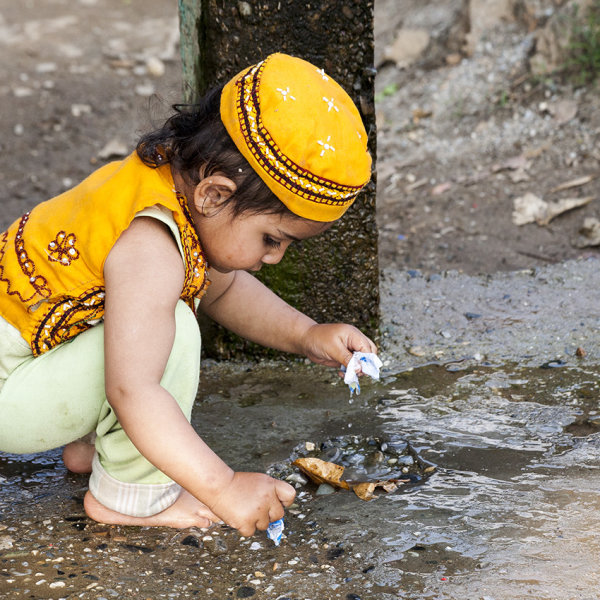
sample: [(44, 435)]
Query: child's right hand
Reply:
[(252, 500)]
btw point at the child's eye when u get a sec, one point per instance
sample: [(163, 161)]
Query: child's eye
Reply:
[(269, 241)]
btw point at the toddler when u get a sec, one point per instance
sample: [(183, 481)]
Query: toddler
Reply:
[(99, 287)]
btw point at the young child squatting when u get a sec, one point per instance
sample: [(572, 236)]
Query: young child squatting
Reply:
[(98, 288)]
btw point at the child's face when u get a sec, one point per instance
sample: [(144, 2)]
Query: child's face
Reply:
[(246, 242)]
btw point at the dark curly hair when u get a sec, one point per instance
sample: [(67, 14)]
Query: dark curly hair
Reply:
[(194, 138)]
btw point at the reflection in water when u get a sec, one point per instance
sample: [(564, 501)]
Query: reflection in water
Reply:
[(514, 490), (511, 512)]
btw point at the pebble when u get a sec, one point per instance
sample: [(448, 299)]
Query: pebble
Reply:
[(57, 584), (245, 9), (325, 489), (47, 67), (155, 66), (22, 92), (145, 89), (216, 547), (6, 542), (80, 109), (245, 592), (296, 478)]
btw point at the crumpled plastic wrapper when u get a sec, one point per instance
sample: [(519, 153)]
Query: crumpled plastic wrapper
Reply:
[(369, 364), (275, 531)]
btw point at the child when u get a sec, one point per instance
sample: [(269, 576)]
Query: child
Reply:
[(98, 287)]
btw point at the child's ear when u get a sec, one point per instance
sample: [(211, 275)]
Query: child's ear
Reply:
[(211, 194)]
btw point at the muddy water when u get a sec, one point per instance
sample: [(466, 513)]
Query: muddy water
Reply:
[(510, 512)]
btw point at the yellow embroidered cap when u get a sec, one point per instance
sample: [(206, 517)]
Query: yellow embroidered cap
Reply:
[(301, 132)]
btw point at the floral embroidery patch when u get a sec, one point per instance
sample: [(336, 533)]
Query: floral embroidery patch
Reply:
[(62, 249)]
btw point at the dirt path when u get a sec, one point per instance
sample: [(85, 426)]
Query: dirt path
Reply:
[(457, 144)]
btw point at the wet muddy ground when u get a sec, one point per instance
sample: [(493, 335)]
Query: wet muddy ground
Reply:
[(502, 405), (492, 378)]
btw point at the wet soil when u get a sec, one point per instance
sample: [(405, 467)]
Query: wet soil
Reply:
[(513, 499), (493, 377)]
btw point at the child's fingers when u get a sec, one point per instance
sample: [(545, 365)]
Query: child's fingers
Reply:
[(285, 492), (276, 513)]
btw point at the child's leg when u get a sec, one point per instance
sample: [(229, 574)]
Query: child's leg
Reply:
[(59, 397), (54, 399), (124, 487)]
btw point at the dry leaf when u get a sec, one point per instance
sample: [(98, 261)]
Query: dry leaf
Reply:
[(562, 206), (535, 152), (321, 471), (513, 164), (420, 113), (365, 491), (441, 188), (532, 209), (528, 209), (573, 183), (416, 185)]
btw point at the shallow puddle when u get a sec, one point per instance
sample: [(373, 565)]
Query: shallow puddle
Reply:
[(511, 510)]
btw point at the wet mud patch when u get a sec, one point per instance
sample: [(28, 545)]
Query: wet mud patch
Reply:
[(513, 494)]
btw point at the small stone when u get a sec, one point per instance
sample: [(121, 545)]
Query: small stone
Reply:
[(580, 352), (6, 542), (191, 540), (57, 584), (255, 546), (216, 547), (296, 478), (245, 592), (471, 315), (18, 129), (113, 148), (416, 351), (325, 489), (47, 67), (80, 109), (22, 92), (408, 47), (309, 446), (155, 66), (245, 9), (145, 89)]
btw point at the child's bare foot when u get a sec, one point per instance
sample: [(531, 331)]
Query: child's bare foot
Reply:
[(185, 512), (78, 456)]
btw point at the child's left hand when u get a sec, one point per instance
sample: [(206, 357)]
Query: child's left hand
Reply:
[(333, 344)]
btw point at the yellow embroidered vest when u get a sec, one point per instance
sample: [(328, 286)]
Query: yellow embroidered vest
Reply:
[(52, 258)]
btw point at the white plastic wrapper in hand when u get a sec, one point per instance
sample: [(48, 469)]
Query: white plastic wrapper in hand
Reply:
[(275, 531), (369, 364)]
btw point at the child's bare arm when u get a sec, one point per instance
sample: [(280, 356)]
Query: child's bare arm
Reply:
[(144, 276), (244, 305)]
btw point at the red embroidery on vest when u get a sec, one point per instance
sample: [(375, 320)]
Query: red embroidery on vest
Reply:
[(37, 282), (62, 250), (67, 318)]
